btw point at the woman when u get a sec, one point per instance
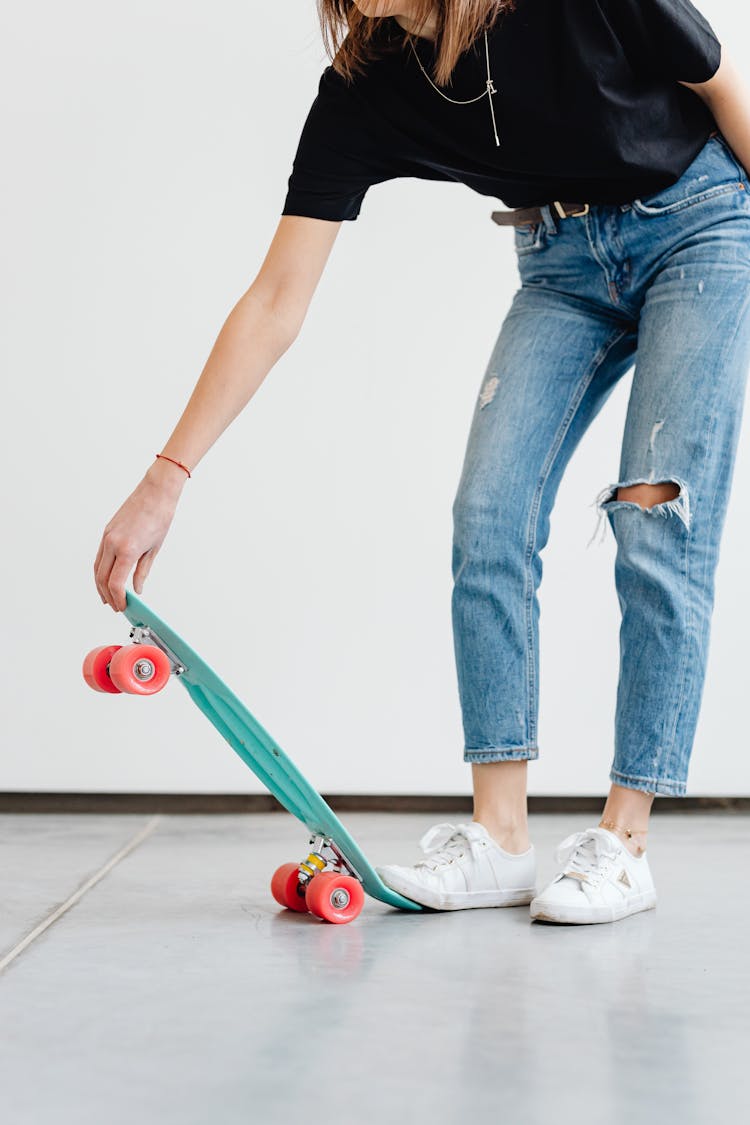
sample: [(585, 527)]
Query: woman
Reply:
[(628, 109)]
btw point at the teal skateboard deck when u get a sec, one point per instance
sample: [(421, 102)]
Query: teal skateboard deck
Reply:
[(256, 748)]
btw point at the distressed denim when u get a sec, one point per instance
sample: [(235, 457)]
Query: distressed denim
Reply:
[(661, 284)]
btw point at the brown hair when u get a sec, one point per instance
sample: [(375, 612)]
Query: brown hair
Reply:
[(348, 34)]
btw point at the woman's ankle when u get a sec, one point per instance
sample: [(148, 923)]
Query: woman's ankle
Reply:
[(626, 814), (500, 802), (512, 837)]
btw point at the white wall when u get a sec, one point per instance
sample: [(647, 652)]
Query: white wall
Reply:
[(146, 156)]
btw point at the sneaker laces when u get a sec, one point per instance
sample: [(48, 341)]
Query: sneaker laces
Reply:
[(581, 852), (445, 843)]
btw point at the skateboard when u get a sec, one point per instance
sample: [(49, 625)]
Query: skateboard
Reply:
[(333, 879)]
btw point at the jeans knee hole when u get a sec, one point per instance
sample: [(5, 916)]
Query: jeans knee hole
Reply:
[(645, 491), (610, 500)]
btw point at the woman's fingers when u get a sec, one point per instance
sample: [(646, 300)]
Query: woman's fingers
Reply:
[(118, 577), (111, 570), (106, 561), (97, 562), (141, 571)]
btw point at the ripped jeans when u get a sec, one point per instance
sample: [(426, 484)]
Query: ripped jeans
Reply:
[(662, 282)]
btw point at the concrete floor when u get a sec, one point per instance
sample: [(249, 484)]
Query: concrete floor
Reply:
[(176, 991)]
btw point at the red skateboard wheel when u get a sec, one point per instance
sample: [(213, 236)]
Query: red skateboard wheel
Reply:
[(140, 669), (96, 668), (284, 884), (335, 897)]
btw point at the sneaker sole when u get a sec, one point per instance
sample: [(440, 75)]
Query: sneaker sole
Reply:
[(593, 914), (462, 900)]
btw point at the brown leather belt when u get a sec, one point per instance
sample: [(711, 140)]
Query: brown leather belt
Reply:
[(521, 215)]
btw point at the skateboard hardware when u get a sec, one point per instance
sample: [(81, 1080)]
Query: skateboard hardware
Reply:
[(333, 879), (144, 670), (142, 634), (318, 861), (311, 866)]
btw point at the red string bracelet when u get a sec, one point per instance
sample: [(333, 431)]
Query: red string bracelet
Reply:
[(164, 456)]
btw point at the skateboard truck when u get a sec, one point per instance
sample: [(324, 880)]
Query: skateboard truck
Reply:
[(142, 634), (318, 861)]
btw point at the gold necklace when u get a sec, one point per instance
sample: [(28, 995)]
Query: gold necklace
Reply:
[(487, 92)]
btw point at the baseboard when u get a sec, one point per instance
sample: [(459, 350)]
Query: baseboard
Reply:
[(185, 803)]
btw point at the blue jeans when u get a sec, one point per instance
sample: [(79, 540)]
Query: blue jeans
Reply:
[(662, 281)]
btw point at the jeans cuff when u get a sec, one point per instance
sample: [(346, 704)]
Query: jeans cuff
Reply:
[(667, 786), (501, 754)]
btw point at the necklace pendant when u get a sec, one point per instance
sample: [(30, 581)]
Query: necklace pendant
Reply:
[(491, 87)]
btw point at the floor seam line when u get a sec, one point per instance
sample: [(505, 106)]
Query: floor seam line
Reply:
[(77, 895)]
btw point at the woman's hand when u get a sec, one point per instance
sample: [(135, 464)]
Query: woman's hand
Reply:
[(136, 532)]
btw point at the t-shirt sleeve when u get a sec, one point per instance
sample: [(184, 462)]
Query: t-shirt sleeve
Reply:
[(670, 38), (339, 155)]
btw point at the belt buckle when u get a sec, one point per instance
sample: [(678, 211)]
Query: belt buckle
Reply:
[(569, 214)]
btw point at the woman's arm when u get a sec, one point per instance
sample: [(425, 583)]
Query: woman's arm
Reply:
[(728, 98), (259, 329)]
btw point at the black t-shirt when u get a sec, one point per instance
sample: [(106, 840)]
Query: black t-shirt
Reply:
[(588, 109)]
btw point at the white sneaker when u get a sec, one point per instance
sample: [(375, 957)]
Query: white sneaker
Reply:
[(464, 868), (599, 881)]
